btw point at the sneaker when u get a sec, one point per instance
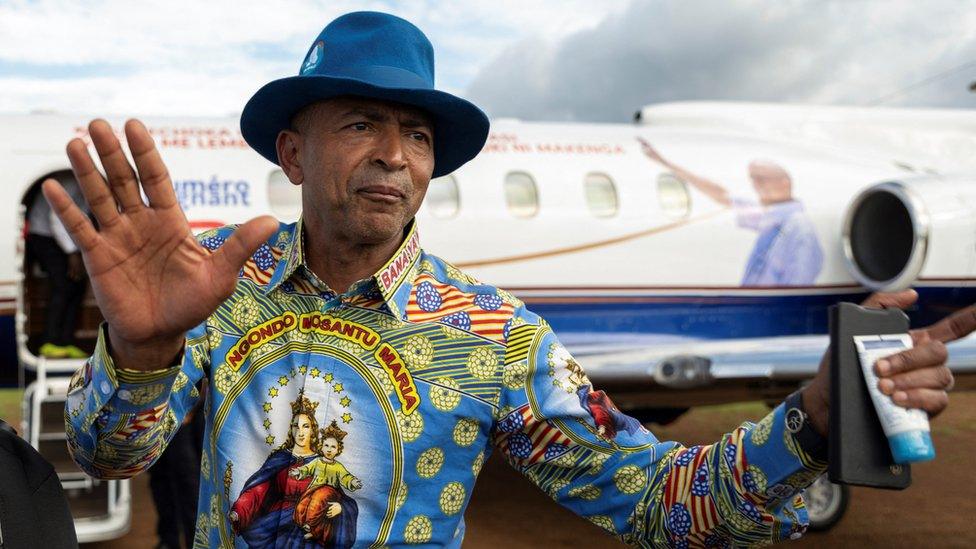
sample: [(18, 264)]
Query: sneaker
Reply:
[(75, 352), (50, 350)]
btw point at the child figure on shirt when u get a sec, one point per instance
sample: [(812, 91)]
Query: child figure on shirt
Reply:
[(323, 500)]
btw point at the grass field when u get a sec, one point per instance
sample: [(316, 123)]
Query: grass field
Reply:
[(10, 406)]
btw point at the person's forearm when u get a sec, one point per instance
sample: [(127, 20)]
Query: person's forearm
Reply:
[(713, 190), (122, 399), (147, 356)]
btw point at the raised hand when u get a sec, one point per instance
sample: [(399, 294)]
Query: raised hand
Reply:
[(650, 152), (151, 279)]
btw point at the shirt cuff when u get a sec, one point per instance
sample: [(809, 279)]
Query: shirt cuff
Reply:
[(778, 464), (798, 423), (129, 391)]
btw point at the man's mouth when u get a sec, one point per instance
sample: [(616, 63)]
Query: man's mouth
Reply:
[(381, 193)]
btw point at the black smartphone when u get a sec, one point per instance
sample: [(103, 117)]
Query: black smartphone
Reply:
[(858, 449)]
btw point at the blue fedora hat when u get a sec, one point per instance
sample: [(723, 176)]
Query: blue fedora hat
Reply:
[(373, 55)]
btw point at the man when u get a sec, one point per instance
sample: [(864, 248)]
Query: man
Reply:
[(50, 246), (787, 251), (343, 317)]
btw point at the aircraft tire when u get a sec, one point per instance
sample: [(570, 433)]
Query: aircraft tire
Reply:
[(826, 503)]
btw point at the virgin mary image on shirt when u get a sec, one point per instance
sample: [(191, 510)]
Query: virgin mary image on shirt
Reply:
[(264, 514)]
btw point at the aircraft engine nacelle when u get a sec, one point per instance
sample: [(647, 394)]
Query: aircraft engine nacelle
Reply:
[(898, 231)]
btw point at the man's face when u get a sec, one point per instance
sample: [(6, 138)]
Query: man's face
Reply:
[(771, 182), (330, 448), (301, 430), (366, 165)]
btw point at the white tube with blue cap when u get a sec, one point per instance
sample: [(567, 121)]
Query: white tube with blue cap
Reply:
[(907, 429)]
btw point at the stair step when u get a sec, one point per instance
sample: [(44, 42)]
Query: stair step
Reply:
[(82, 483), (88, 502), (56, 452)]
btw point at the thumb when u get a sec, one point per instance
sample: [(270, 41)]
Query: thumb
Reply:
[(891, 300), (229, 258)]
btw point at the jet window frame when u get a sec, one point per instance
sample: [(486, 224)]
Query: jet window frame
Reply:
[(600, 182), (677, 186), (434, 201), (517, 181)]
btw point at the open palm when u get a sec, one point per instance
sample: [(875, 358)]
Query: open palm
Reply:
[(151, 279)]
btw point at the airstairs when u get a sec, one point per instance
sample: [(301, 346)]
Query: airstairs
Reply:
[(101, 508)]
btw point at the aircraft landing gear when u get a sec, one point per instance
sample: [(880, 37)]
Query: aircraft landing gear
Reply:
[(826, 503)]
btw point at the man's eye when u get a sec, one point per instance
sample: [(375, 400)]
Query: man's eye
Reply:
[(420, 136), (360, 126)]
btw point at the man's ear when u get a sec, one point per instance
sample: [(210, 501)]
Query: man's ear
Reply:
[(289, 146)]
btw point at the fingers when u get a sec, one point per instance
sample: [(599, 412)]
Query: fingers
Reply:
[(73, 219), (152, 170), (121, 177), (929, 378), (241, 245), (955, 326), (918, 377), (893, 300), (933, 401), (92, 184), (926, 355)]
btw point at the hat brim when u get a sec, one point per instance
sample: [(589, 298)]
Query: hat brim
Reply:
[(460, 128)]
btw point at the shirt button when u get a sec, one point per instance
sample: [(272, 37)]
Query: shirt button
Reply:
[(125, 394), (106, 387)]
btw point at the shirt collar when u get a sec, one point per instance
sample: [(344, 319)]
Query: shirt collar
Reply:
[(394, 279), (778, 213), (785, 208)]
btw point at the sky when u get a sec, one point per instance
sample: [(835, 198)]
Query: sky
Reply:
[(529, 59)]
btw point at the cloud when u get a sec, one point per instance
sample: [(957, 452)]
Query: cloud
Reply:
[(757, 50), (543, 60), (207, 58)]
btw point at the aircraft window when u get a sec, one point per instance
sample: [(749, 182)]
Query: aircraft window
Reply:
[(601, 195), (521, 194), (442, 197), (284, 198), (672, 196)]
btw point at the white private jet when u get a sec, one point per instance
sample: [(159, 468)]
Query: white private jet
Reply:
[(645, 245)]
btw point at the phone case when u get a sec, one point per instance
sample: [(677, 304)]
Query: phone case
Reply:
[(858, 449)]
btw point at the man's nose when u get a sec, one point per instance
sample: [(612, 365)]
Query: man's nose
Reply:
[(389, 151)]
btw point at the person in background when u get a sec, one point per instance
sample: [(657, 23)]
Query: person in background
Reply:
[(175, 480), (49, 244), (787, 251)]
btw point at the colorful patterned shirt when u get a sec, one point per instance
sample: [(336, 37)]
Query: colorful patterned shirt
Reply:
[(415, 375)]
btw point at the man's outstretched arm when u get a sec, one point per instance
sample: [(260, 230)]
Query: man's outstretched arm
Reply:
[(567, 437), (710, 188)]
